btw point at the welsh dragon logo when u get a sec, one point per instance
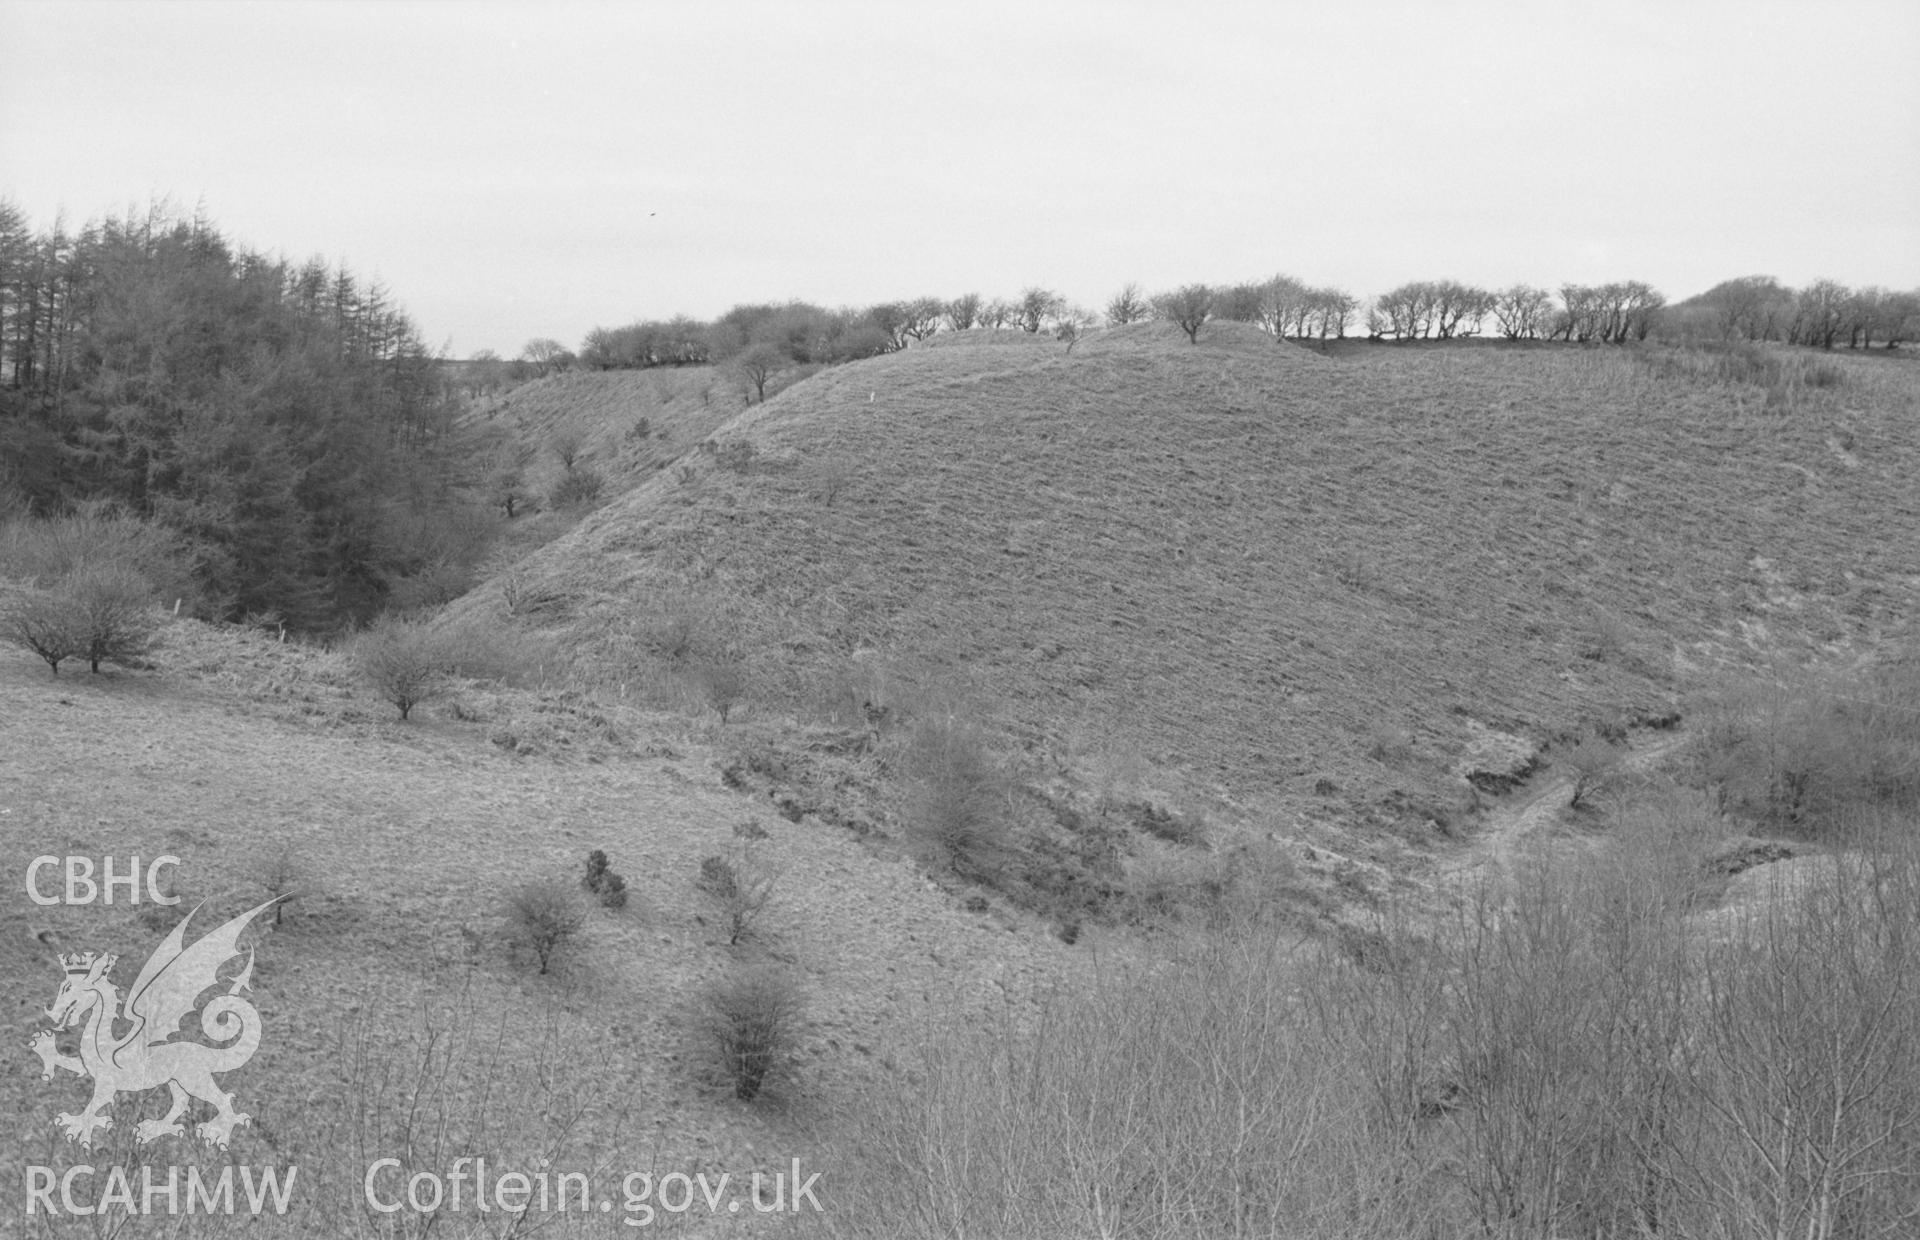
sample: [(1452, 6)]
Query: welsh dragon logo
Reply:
[(147, 1055)]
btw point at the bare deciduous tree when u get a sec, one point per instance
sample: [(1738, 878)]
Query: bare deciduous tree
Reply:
[(1457, 308), (405, 662), (1405, 313), (545, 355), (1329, 312), (963, 312), (920, 318), (1523, 311), (757, 363), (1037, 306), (1749, 308), (40, 623), (1900, 318), (1819, 313), (1189, 306), (1282, 308), (1237, 303), (506, 480), (1074, 322), (1129, 305), (891, 318), (1579, 317)]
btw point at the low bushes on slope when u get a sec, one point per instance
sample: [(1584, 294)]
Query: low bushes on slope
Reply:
[(1808, 749), (1565, 1056)]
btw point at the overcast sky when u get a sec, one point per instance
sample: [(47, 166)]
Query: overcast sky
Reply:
[(514, 170)]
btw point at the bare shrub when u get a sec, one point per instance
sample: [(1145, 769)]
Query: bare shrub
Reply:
[(1590, 763), (577, 487), (957, 793), (404, 660), (40, 622), (1566, 1056), (506, 486), (441, 1079), (741, 883), (545, 915), (284, 875), (1564, 1014), (1806, 1076), (1190, 1099), (514, 591), (101, 613), (47, 552), (751, 1018), (685, 628), (1804, 748), (112, 612), (565, 444), (722, 678)]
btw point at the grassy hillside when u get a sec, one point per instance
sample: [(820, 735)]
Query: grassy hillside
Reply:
[(627, 422), (622, 426), (1284, 582), (402, 1018)]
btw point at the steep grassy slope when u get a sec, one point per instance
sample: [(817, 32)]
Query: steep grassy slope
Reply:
[(628, 423), (1259, 570), (623, 425)]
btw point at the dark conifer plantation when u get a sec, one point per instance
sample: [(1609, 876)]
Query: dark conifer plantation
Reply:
[(286, 420)]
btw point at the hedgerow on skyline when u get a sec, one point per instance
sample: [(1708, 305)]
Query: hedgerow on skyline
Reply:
[(769, 335)]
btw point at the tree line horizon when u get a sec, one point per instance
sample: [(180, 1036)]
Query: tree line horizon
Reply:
[(758, 338)]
